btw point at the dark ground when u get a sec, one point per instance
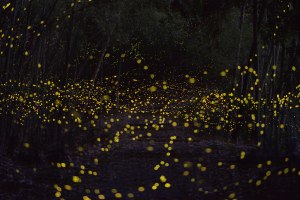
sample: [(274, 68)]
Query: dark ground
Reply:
[(128, 165)]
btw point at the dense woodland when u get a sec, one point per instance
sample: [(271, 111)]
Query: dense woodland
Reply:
[(68, 40), (209, 89)]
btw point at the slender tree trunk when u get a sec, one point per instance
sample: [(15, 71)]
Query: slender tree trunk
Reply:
[(69, 46), (241, 23), (100, 63), (253, 54)]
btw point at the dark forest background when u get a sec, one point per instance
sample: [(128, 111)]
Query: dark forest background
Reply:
[(81, 78), (89, 39)]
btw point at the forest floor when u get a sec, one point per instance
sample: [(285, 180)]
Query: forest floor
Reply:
[(159, 141), (198, 167)]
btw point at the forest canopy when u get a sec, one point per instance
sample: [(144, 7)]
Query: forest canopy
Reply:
[(69, 39)]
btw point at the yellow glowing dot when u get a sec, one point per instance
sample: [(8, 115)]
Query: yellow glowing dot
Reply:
[(186, 173), (192, 80), (259, 166), (130, 195), (167, 185), (208, 150), (156, 167), (118, 195), (163, 178), (26, 145), (6, 6), (243, 155), (150, 148), (286, 170), (57, 194), (231, 196), (153, 89), (141, 189), (258, 183), (76, 179), (86, 198), (106, 97), (68, 187), (223, 73)]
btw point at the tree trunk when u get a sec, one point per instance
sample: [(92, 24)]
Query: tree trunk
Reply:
[(100, 63), (253, 55), (242, 17)]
